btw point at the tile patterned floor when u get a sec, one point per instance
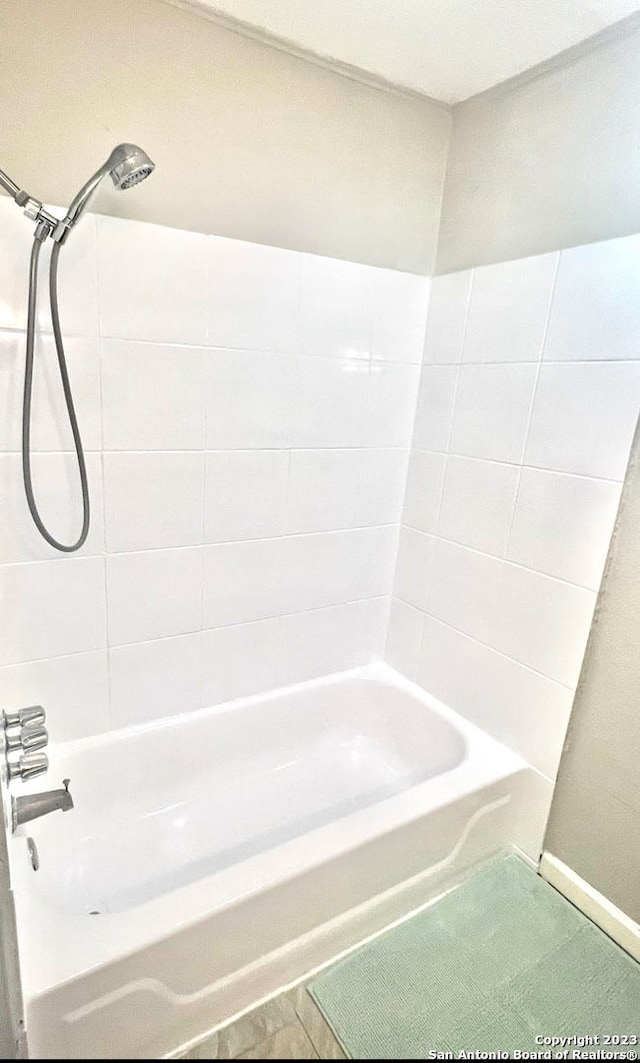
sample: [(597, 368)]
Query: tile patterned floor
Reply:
[(290, 1026)]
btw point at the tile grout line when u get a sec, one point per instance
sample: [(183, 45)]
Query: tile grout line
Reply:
[(502, 559), (447, 453), (516, 465), (487, 646), (525, 443), (349, 531), (467, 314), (185, 634), (205, 428)]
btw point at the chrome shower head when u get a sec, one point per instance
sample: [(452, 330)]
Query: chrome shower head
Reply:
[(129, 165)]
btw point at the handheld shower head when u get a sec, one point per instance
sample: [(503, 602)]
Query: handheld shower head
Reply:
[(127, 166)]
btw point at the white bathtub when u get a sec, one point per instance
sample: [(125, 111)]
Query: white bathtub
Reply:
[(228, 852)]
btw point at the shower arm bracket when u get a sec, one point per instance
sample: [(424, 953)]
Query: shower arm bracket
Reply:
[(32, 207)]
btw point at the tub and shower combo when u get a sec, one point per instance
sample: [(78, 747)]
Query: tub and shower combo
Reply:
[(214, 857)]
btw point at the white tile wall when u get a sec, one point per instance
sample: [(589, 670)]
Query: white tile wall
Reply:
[(477, 503), (509, 310), (436, 395), (50, 429), (245, 494), (247, 415), (57, 486), (595, 308), (562, 525), (153, 396), (449, 303), (155, 283), (424, 488), (584, 417), (78, 295), (153, 679), (527, 710), (166, 587), (74, 688), (528, 401), (400, 316), (153, 500), (52, 608), (491, 413)]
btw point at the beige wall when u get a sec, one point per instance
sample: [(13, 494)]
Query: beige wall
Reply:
[(249, 142), (546, 164), (594, 825)]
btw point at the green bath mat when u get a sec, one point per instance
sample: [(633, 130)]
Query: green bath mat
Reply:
[(501, 960)]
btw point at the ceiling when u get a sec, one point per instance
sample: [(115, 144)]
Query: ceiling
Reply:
[(446, 49)]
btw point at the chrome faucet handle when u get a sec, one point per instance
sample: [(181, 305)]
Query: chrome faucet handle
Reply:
[(34, 714), (28, 738), (28, 766)]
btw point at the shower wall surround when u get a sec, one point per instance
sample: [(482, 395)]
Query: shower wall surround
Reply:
[(247, 416), (527, 406)]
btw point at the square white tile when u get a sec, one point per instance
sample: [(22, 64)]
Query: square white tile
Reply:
[(542, 622), (563, 525), (448, 305), (240, 660), (49, 421), (152, 680), (331, 640), (74, 691), (519, 707), (323, 490), (400, 316), (56, 608), (509, 309), (253, 296), (153, 500), (250, 399), (424, 487), (414, 569), (393, 392), (584, 417), (330, 402), (58, 495), (382, 478), (368, 557), (153, 594), (333, 568), (595, 305), (434, 408), (152, 396), (465, 590), (492, 409), (337, 307), (245, 581), (477, 503), (155, 283), (245, 494)]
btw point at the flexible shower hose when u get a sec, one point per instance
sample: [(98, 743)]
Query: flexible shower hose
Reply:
[(68, 397)]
